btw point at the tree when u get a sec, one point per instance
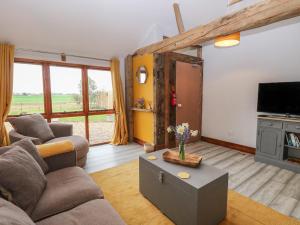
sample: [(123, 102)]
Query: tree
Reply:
[(92, 88)]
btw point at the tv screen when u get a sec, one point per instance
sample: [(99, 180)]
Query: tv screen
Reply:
[(279, 98)]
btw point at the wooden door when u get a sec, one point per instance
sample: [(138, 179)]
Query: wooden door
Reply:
[(189, 95)]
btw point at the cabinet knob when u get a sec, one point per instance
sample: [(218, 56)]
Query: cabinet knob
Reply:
[(179, 105)]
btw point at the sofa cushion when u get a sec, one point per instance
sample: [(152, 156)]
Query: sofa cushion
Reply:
[(66, 189), (28, 146), (21, 176), (12, 215), (81, 145), (95, 212), (33, 126)]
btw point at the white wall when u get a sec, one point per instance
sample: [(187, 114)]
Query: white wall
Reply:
[(231, 77)]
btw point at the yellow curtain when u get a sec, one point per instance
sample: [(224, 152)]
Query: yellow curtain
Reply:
[(120, 136), (6, 85)]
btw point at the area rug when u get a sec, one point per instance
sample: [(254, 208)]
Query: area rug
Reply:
[(121, 188)]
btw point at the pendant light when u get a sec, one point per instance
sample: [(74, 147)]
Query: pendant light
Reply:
[(228, 40)]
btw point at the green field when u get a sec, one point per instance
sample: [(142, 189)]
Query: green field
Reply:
[(27, 104)]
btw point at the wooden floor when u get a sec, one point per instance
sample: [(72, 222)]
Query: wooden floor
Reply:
[(269, 185)]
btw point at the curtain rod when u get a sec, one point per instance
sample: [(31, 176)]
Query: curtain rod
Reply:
[(55, 53)]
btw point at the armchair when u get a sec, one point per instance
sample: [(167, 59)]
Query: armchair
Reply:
[(61, 132)]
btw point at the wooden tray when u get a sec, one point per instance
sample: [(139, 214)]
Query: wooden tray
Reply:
[(191, 160)]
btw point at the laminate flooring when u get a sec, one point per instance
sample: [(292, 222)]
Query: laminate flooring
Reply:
[(272, 186)]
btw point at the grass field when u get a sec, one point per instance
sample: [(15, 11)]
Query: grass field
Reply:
[(28, 104)]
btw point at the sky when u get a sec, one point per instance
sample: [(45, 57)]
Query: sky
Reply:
[(28, 79)]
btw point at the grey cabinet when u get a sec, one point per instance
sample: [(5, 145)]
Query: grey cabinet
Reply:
[(269, 142)]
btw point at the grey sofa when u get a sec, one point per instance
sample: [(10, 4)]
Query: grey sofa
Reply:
[(70, 198), (61, 132)]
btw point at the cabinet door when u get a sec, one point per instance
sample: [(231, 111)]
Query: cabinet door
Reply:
[(269, 142)]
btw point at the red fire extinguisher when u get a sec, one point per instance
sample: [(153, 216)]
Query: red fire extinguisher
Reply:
[(173, 98)]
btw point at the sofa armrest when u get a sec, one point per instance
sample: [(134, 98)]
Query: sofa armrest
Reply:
[(61, 161), (58, 155), (15, 136), (61, 129)]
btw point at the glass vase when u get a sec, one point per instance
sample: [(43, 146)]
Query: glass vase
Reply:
[(181, 150)]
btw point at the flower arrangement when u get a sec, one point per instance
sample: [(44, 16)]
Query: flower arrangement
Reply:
[(140, 103), (183, 134)]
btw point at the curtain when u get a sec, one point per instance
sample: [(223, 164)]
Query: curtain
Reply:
[(6, 85), (120, 136)]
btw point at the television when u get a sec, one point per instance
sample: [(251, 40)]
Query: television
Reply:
[(279, 98)]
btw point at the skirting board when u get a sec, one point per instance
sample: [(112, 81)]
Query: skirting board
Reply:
[(139, 141), (226, 144)]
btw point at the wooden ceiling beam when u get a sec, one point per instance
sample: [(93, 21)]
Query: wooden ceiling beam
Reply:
[(232, 2), (258, 15)]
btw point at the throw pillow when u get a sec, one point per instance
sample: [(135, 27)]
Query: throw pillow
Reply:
[(32, 126), (27, 145), (21, 176)]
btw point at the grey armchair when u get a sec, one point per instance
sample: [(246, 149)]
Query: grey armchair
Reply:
[(61, 132)]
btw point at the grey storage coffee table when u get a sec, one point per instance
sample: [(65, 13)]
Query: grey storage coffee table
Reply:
[(199, 200)]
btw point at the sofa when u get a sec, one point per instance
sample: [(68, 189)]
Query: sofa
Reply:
[(70, 196), (40, 132)]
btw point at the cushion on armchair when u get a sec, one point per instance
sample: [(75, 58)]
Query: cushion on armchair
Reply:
[(32, 126), (22, 177), (56, 148)]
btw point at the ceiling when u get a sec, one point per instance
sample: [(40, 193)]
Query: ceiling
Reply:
[(98, 28)]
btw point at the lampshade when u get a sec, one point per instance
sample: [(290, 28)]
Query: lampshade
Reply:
[(228, 40)]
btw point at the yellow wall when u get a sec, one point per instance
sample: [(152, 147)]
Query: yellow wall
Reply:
[(143, 123)]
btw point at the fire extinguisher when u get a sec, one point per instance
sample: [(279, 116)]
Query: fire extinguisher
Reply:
[(173, 98)]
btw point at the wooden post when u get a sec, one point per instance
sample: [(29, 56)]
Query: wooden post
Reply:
[(232, 2), (178, 18)]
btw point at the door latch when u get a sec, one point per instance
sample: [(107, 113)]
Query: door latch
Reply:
[(161, 177)]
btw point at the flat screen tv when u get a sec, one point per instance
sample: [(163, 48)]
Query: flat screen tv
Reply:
[(279, 98)]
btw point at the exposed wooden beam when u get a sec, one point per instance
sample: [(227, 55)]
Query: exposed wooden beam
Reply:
[(232, 2), (178, 18), (258, 15)]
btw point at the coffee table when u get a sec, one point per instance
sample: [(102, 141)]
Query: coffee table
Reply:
[(198, 200)]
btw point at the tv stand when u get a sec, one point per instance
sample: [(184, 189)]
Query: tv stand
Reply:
[(271, 144)]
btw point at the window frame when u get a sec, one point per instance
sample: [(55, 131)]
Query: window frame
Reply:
[(86, 112)]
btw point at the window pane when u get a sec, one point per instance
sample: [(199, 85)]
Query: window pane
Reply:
[(100, 90), (78, 123), (101, 128), (27, 89), (66, 89)]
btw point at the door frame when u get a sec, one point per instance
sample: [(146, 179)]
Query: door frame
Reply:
[(165, 74)]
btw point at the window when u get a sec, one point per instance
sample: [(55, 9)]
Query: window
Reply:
[(101, 128), (67, 93), (28, 91), (78, 123), (66, 89), (100, 90)]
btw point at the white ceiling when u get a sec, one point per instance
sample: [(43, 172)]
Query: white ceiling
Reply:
[(98, 28)]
